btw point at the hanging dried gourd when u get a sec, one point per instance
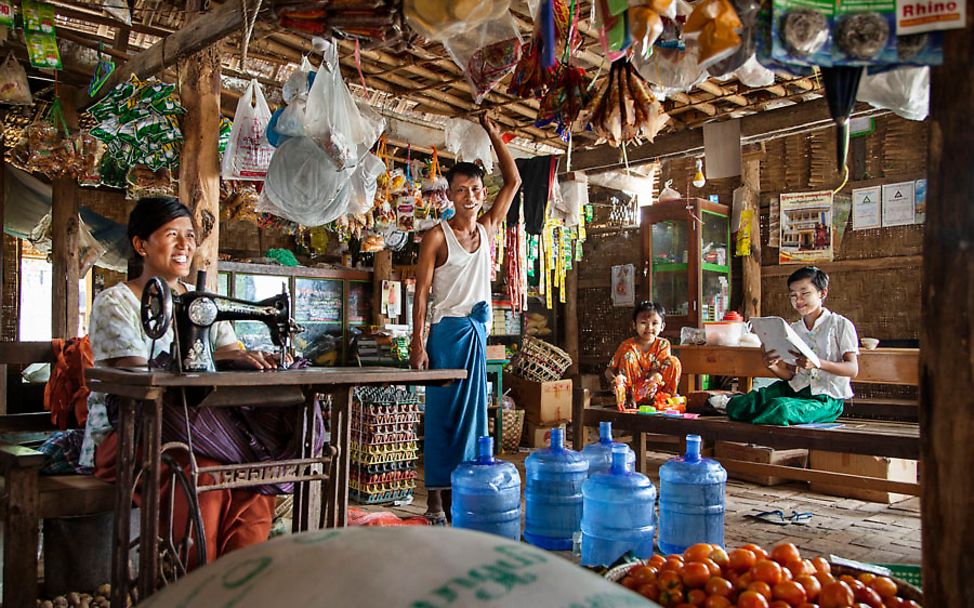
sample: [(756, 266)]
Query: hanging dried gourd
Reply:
[(624, 109)]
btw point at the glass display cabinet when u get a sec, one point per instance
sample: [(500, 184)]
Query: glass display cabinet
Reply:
[(686, 260), (326, 302)]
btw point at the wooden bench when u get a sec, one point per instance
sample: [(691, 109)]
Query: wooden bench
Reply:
[(897, 439), (28, 497)]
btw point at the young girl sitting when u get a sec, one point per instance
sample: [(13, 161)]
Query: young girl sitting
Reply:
[(643, 365), (805, 393)]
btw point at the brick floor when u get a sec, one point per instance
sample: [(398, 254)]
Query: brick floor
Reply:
[(847, 527)]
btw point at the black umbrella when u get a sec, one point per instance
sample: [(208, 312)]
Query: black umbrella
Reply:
[(841, 86)]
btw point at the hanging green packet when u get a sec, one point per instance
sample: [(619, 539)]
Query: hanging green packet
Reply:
[(6, 13), (38, 18), (42, 51)]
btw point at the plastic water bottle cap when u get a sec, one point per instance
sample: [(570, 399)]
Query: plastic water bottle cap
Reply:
[(605, 432), (693, 448), (558, 438), (485, 449), (620, 454)]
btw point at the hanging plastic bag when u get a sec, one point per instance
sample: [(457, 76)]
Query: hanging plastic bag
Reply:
[(568, 207), (439, 20), (363, 184), (248, 153), (469, 142), (345, 130), (668, 193), (303, 184), (671, 70), (753, 74), (14, 89), (905, 91), (715, 24), (486, 53)]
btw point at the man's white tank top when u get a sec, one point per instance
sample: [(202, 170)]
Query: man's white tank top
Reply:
[(464, 280)]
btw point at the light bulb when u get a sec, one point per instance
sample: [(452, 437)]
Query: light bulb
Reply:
[(699, 181)]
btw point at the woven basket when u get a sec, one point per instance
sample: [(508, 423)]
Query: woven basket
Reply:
[(539, 361), (513, 427)]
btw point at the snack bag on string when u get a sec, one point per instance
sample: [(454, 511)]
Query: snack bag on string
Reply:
[(14, 89), (486, 53), (715, 24), (435, 200), (248, 154)]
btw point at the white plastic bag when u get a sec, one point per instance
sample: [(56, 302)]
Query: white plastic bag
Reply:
[(304, 186), (345, 130), (441, 19), (363, 184), (14, 89), (469, 142), (753, 74), (568, 207), (248, 152), (486, 53), (668, 193), (905, 91), (671, 70)]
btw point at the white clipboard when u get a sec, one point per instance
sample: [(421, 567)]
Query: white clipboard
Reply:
[(776, 335)]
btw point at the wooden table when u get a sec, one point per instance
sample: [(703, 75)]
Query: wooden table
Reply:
[(877, 366), (226, 389)]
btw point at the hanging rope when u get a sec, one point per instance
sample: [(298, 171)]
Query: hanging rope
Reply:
[(250, 20)]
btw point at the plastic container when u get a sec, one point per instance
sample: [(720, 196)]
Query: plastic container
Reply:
[(553, 494), (691, 500), (487, 494), (599, 454), (724, 333), (619, 513)]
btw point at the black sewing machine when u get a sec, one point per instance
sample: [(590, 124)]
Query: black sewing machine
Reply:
[(194, 312)]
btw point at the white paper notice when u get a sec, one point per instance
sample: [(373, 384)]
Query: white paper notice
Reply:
[(898, 209), (866, 208)]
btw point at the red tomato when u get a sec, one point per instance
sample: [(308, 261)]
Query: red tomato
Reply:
[(811, 584), (673, 562), (695, 574), (761, 587), (696, 597), (656, 561), (717, 601), (824, 577), (780, 604), (790, 592), (649, 591), (720, 557), (884, 586), (836, 594), (643, 574), (752, 599), (808, 605), (800, 567), (712, 566), (741, 560), (784, 553), (822, 564), (698, 552), (756, 550), (767, 571), (719, 586), (867, 577), (865, 595), (669, 579), (670, 597)]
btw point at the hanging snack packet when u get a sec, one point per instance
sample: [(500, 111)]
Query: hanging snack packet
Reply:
[(716, 24), (487, 53), (14, 89)]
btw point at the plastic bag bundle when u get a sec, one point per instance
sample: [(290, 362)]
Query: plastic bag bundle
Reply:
[(345, 130), (905, 91), (363, 184), (469, 142), (289, 121), (442, 19), (14, 89), (248, 153), (486, 53), (568, 207), (303, 184), (671, 70)]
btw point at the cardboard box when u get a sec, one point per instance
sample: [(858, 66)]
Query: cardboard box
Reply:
[(746, 452), (495, 352), (895, 469), (542, 402), (538, 435)]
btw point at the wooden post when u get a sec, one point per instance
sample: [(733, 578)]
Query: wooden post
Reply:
[(751, 181), (946, 374), (571, 322), (199, 165), (65, 228), (381, 271), (3, 198)]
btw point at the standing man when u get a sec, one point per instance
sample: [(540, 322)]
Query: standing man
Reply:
[(454, 259)]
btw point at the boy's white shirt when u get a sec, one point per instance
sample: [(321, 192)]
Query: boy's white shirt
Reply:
[(831, 337)]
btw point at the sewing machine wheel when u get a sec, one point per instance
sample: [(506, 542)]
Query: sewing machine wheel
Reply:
[(156, 308)]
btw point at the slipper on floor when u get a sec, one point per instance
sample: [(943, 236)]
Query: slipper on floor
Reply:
[(436, 519), (771, 517)]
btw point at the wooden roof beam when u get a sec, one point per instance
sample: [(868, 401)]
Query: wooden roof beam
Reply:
[(722, 94), (208, 29)]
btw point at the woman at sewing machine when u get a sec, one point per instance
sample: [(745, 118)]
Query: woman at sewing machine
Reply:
[(163, 240)]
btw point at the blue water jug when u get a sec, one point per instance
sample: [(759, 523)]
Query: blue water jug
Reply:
[(691, 500), (599, 454), (553, 494), (487, 494), (619, 513)]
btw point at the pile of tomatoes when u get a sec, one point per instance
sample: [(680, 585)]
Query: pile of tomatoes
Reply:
[(708, 576)]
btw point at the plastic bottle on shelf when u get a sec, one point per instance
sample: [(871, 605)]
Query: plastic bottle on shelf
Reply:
[(599, 454), (553, 494), (691, 500), (487, 494), (619, 513)]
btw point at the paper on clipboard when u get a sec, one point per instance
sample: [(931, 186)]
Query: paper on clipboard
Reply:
[(776, 335)]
